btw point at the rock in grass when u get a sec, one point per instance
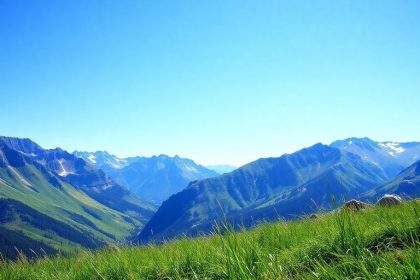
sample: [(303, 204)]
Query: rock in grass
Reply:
[(355, 205), (313, 217), (389, 199)]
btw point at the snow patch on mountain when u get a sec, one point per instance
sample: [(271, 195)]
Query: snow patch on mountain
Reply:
[(118, 165), (393, 148), (191, 169), (92, 158), (63, 172)]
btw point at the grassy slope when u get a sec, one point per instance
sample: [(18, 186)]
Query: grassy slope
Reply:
[(60, 204), (264, 189), (379, 243)]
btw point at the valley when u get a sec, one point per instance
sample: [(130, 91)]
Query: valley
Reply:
[(67, 202)]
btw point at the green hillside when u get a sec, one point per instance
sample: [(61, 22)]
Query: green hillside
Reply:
[(44, 212), (377, 243), (287, 186), (63, 218)]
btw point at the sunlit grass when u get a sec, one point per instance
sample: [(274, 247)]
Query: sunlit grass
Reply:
[(379, 243)]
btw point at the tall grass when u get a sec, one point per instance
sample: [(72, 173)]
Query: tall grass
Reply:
[(378, 243)]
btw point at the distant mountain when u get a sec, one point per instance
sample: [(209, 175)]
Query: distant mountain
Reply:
[(405, 184), (82, 175), (221, 168), (392, 157), (54, 200), (288, 186), (102, 160), (153, 179)]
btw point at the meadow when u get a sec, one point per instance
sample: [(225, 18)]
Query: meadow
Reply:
[(376, 243)]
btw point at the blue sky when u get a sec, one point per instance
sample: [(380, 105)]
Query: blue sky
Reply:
[(216, 81)]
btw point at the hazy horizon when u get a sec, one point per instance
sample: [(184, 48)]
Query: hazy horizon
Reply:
[(220, 82)]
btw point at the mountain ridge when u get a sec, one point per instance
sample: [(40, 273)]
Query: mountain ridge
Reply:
[(405, 184), (253, 191), (94, 204), (154, 178), (39, 202)]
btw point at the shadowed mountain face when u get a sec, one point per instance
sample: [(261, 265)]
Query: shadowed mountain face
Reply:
[(94, 182), (25, 145), (405, 184), (287, 186), (152, 179), (56, 198), (77, 172)]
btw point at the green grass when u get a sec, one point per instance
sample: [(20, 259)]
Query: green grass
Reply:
[(379, 243), (60, 204)]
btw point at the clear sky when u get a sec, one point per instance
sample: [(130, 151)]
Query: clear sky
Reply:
[(216, 81)]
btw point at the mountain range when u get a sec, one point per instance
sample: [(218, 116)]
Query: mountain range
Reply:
[(289, 186), (153, 179), (52, 200), (392, 157), (405, 184), (221, 168)]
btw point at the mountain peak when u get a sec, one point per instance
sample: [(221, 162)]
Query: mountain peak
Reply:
[(363, 142), (288, 185), (318, 148), (391, 156), (102, 159), (24, 145), (152, 178)]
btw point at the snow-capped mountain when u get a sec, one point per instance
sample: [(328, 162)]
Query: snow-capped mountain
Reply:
[(153, 179), (266, 189), (102, 160), (286, 186), (392, 157), (50, 198)]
